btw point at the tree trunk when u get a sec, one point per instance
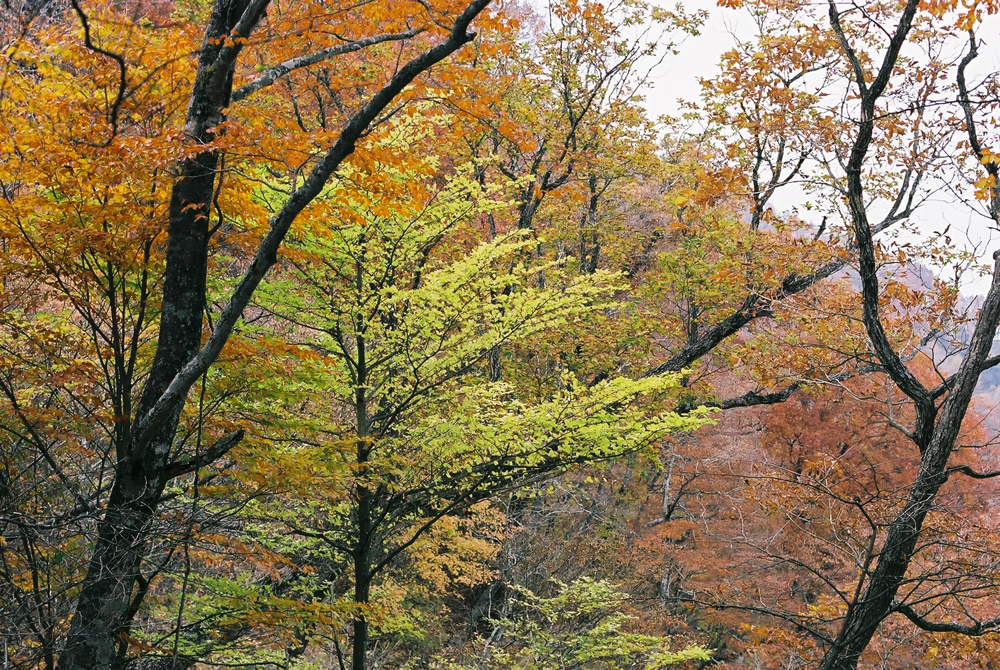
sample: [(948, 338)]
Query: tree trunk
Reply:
[(363, 532), (936, 428), (105, 602), (362, 592)]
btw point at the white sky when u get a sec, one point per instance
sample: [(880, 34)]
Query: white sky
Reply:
[(699, 57)]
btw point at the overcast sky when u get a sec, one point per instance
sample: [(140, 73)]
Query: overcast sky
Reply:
[(678, 76), (699, 56)]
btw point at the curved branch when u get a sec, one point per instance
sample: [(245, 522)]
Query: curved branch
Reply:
[(868, 268), (963, 97), (273, 74), (992, 169), (969, 472), (976, 629), (852, 57), (116, 105)]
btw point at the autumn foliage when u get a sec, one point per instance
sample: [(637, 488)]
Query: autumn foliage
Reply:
[(402, 334)]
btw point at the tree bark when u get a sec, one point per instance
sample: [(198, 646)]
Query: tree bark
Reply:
[(936, 427), (94, 638)]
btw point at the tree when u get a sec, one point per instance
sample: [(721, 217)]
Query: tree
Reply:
[(141, 445), (581, 626), (938, 410), (403, 316), (870, 48)]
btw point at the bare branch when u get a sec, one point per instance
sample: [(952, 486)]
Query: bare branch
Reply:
[(976, 629), (207, 457), (273, 74)]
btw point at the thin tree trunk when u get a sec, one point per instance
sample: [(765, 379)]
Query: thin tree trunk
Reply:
[(363, 531), (362, 593)]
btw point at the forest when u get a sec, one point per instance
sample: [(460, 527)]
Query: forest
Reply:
[(363, 334)]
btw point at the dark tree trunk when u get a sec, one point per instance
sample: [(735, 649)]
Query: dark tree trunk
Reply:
[(590, 242), (364, 531), (105, 602), (936, 427), (362, 591)]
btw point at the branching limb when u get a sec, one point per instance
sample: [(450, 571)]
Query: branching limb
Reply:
[(976, 629), (692, 351), (273, 74), (992, 169), (755, 398), (280, 223), (207, 457), (868, 268), (754, 307)]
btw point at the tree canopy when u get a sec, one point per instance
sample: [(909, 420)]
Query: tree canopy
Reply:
[(401, 334)]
